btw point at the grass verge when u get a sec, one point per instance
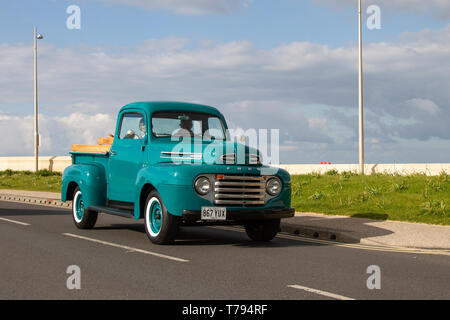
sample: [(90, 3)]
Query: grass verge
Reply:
[(43, 180), (414, 198)]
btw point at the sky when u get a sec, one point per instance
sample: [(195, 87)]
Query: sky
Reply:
[(290, 65)]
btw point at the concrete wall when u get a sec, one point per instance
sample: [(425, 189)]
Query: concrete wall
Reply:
[(55, 163), (58, 163), (399, 168)]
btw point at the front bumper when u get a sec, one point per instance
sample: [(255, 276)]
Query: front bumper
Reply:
[(244, 215)]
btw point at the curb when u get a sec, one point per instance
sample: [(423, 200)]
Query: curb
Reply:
[(35, 200), (319, 233)]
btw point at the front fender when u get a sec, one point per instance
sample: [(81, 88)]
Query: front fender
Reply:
[(90, 178), (159, 177)]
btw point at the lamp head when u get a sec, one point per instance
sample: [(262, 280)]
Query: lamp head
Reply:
[(39, 36)]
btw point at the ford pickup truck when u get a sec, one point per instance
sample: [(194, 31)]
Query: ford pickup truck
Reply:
[(174, 164)]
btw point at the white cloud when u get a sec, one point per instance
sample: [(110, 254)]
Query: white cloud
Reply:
[(319, 123), (425, 105), (406, 86), (187, 7), (57, 134)]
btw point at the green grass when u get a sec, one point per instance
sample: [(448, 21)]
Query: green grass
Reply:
[(43, 180), (414, 198)]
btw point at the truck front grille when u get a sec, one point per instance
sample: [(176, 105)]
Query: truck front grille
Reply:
[(236, 190)]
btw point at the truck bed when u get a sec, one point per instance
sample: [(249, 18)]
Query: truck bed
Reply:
[(103, 145)]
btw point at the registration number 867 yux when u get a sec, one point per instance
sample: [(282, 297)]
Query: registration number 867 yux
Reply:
[(214, 213)]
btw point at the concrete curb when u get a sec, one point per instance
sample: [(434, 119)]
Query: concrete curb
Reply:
[(319, 233), (35, 200)]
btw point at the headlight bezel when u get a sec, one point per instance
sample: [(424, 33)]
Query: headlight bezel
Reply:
[(198, 188), (280, 188)]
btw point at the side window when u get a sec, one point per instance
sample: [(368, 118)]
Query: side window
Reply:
[(132, 126)]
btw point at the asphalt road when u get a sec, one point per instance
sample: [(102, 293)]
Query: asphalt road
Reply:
[(117, 261)]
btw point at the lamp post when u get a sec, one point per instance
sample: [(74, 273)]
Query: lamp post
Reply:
[(36, 131), (361, 119)]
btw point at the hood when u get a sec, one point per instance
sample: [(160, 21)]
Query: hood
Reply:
[(207, 152)]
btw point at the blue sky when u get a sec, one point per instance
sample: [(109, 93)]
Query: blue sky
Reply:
[(245, 57), (267, 23)]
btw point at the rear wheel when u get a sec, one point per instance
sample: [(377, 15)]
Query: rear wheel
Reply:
[(263, 230), (82, 217), (161, 226)]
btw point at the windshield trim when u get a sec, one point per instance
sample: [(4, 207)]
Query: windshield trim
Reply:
[(224, 130)]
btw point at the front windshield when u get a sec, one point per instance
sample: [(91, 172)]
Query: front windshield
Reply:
[(187, 124)]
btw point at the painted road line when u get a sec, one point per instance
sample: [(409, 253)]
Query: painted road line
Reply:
[(16, 222), (130, 249), (346, 245), (320, 292)]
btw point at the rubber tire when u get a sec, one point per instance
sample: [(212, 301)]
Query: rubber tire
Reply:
[(169, 224), (262, 231), (89, 217)]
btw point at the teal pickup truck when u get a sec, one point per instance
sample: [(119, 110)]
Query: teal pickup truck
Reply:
[(174, 164)]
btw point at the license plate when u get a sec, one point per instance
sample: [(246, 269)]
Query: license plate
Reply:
[(214, 213)]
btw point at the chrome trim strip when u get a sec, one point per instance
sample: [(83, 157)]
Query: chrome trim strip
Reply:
[(181, 153), (181, 158), (241, 178), (237, 202), (239, 184), (256, 196), (253, 190)]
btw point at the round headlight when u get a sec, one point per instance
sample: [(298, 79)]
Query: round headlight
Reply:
[(202, 185), (273, 186)]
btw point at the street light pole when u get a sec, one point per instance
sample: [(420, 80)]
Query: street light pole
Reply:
[(36, 128), (361, 119)]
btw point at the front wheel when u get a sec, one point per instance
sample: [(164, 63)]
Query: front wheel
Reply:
[(161, 226), (82, 217), (263, 230)]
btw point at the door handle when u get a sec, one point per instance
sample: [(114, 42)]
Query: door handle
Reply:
[(112, 152)]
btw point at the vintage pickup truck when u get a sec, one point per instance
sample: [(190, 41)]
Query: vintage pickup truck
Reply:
[(173, 164)]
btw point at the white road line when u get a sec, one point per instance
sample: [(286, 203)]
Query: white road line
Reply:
[(323, 293), (130, 249), (16, 222)]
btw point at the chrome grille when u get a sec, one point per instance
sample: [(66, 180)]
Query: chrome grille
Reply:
[(239, 190)]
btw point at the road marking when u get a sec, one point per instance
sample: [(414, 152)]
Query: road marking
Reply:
[(347, 245), (130, 249), (320, 292), (16, 222)]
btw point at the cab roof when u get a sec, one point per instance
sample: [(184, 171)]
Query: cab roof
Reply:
[(154, 106)]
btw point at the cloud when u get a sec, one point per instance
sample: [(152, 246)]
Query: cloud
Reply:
[(307, 90), (191, 7), (56, 133), (425, 105), (439, 8)]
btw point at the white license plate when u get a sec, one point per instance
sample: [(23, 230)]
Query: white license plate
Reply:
[(214, 213)]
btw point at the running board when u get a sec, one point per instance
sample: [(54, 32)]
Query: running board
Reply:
[(113, 211)]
